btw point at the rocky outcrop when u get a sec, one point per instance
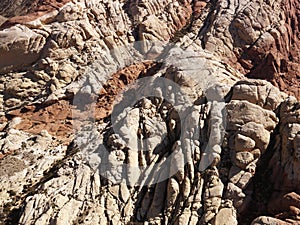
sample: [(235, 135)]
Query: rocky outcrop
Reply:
[(141, 112), (259, 38), (22, 11), (285, 198), (106, 174)]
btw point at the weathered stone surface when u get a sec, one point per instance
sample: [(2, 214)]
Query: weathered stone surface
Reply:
[(242, 112), (196, 143), (24, 11), (260, 38), (258, 92), (242, 159), (243, 143), (226, 216), (19, 47)]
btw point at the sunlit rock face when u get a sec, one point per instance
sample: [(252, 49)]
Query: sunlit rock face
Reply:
[(149, 112)]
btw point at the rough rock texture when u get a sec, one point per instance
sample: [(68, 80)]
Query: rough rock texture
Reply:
[(21, 11), (259, 38), (141, 112)]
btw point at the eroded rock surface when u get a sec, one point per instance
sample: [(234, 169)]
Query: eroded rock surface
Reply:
[(140, 112), (259, 38)]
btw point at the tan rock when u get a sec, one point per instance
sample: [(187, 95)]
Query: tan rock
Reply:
[(19, 41), (258, 92), (244, 180), (243, 143), (242, 112), (256, 132), (225, 216), (264, 220), (242, 159), (235, 174), (68, 212), (124, 192), (172, 193), (79, 48)]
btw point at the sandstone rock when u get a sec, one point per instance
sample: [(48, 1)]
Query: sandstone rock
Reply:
[(235, 174), (258, 92), (172, 193), (242, 112), (242, 159), (2, 20), (69, 12), (244, 181), (257, 133), (256, 153), (268, 220), (22, 42), (226, 216), (235, 194), (68, 212), (243, 143), (193, 150), (266, 55)]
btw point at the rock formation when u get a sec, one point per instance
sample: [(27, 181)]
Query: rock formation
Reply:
[(147, 112)]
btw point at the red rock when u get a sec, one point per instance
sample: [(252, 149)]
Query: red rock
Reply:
[(32, 10)]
